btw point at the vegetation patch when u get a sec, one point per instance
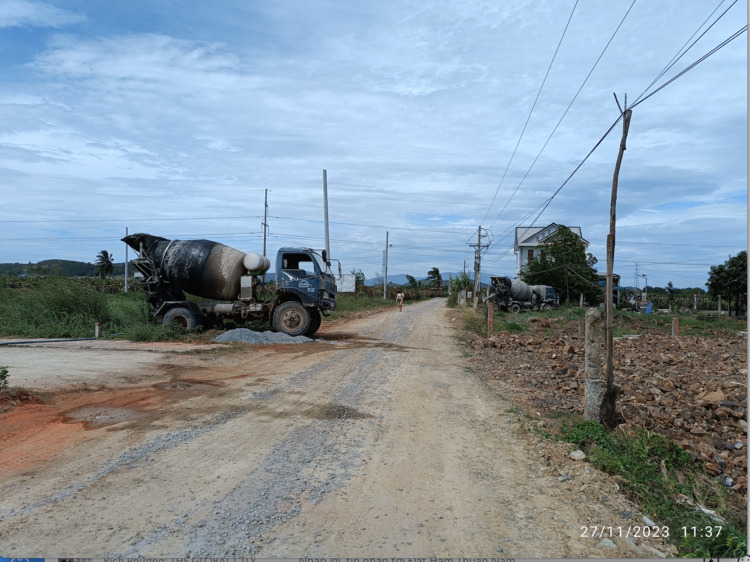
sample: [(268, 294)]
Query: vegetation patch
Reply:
[(15, 396), (665, 481)]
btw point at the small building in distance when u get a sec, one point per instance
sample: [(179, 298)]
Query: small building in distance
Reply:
[(529, 237)]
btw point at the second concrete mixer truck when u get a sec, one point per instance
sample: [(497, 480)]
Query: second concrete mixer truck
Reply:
[(171, 269), (514, 295)]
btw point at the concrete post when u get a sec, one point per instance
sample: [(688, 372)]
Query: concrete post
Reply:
[(593, 365)]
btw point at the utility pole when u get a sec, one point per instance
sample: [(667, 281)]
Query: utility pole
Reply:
[(608, 411), (126, 261), (265, 224), (325, 213), (477, 263), (385, 268), (265, 230)]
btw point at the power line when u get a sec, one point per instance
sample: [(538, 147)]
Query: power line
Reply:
[(528, 118), (683, 51), (696, 63), (55, 221), (544, 206), (572, 101)]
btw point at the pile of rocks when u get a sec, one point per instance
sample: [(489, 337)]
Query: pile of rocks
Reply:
[(249, 336), (690, 389)]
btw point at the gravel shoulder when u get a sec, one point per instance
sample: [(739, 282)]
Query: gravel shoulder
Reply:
[(376, 440)]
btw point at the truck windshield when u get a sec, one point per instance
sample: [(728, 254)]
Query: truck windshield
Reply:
[(301, 265)]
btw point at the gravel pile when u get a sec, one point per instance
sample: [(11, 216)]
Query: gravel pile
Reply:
[(248, 336)]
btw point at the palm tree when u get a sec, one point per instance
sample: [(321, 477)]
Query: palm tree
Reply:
[(104, 264), (413, 283), (436, 280)]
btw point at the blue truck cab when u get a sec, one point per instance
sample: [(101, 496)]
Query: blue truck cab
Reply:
[(303, 274)]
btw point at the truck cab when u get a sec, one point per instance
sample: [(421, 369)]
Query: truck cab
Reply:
[(303, 273)]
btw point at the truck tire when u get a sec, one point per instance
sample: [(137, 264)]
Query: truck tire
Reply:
[(315, 321), (546, 306), (180, 316), (291, 318), (515, 308)]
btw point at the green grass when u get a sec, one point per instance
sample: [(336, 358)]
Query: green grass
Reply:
[(655, 472), (348, 305), (571, 318), (70, 308)]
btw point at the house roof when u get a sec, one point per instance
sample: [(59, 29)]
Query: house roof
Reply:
[(535, 235)]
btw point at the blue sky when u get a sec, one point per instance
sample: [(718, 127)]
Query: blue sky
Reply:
[(431, 119)]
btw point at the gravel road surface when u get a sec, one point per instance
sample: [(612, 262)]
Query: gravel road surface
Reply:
[(377, 439)]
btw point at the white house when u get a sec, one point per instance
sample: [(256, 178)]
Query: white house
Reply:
[(529, 237)]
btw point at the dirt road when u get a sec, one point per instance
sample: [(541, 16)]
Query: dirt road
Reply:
[(377, 440)]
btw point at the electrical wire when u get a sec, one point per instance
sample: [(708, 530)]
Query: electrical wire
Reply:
[(693, 65), (567, 109), (528, 118), (683, 51)]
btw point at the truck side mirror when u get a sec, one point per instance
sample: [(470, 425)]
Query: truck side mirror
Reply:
[(325, 258)]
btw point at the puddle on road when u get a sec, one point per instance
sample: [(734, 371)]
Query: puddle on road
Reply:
[(136, 405), (182, 384), (94, 417)]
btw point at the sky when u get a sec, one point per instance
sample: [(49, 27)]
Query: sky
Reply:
[(434, 121)]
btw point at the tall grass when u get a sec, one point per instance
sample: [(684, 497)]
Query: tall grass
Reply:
[(68, 308)]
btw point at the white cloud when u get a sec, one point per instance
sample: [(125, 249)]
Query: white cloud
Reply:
[(22, 13)]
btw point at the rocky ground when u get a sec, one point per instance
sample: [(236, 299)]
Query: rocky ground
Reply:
[(689, 388)]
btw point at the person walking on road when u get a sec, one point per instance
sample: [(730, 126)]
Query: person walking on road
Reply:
[(400, 300)]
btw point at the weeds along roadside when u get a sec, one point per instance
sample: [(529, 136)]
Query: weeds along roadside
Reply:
[(70, 308), (654, 472)]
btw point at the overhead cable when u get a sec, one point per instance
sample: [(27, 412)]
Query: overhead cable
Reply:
[(572, 101), (528, 118)]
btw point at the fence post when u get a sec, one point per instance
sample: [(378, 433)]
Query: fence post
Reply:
[(593, 365), (490, 319)]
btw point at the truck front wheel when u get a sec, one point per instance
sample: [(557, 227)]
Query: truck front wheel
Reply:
[(180, 316), (291, 318), (515, 308)]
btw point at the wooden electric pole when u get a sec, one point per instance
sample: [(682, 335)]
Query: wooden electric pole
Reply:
[(608, 410)]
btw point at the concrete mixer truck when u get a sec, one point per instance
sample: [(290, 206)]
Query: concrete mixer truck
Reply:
[(171, 269), (514, 295)]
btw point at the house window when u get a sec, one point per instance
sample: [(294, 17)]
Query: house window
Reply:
[(544, 256), (531, 256)]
